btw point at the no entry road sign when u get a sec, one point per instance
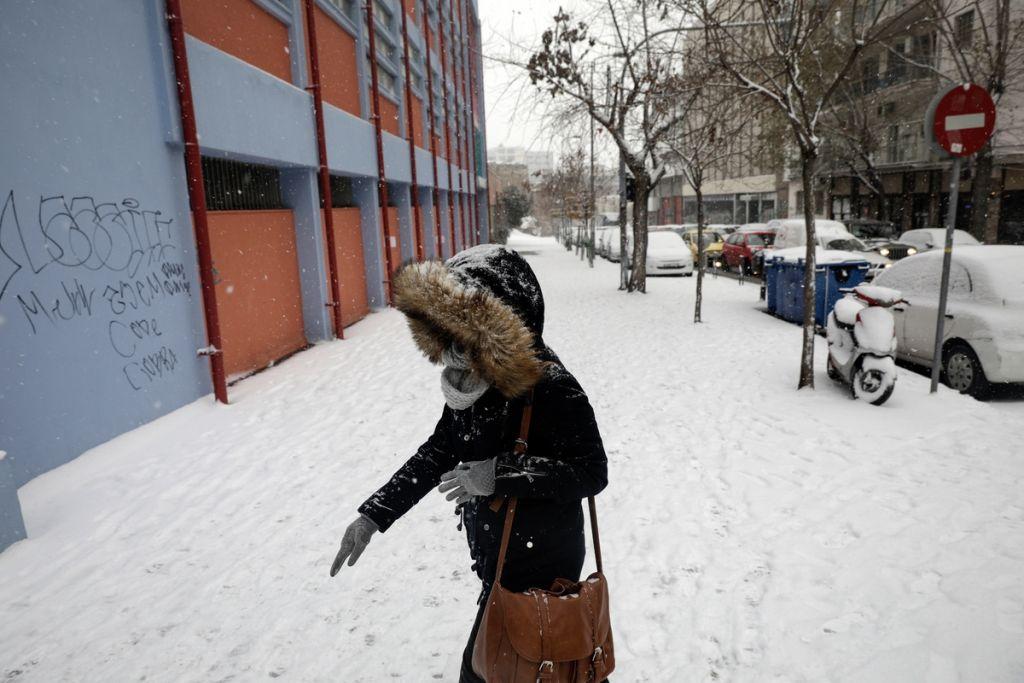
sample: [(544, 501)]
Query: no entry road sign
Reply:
[(961, 119)]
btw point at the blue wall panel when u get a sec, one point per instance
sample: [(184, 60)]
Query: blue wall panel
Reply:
[(100, 311)]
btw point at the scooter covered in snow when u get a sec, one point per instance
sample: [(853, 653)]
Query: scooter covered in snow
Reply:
[(861, 336)]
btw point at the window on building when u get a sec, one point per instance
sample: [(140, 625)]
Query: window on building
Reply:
[(388, 82), (922, 52), (869, 74), (235, 186), (348, 8), (382, 13), (342, 195), (897, 64), (386, 48), (964, 29)]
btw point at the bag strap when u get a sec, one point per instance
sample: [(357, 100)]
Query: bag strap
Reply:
[(506, 533)]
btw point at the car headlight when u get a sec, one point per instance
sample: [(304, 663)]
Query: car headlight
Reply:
[(718, 264), (911, 251), (888, 265), (883, 251)]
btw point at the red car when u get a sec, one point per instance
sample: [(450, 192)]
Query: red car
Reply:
[(739, 249)]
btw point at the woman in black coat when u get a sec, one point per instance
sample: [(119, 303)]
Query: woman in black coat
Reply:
[(481, 314)]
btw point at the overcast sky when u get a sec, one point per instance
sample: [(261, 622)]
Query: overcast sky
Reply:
[(512, 117)]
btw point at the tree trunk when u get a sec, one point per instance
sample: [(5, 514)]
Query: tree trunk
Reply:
[(623, 228), (808, 159), (701, 257), (981, 186), (638, 277)]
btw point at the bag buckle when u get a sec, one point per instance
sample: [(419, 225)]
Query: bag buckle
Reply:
[(546, 670), (598, 654)]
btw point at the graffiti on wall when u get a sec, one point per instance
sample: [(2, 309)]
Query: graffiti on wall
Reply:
[(43, 262)]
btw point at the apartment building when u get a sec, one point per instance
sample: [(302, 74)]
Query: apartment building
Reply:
[(876, 160), (892, 172), (108, 320)]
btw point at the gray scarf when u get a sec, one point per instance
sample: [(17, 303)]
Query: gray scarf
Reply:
[(460, 385)]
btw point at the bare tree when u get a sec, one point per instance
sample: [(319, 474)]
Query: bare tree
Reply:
[(563, 193), (854, 137), (632, 106), (716, 118), (795, 55)]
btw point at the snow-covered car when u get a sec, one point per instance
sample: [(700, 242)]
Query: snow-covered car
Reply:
[(983, 337), (880, 236), (668, 254), (614, 253), (831, 235), (752, 227), (712, 243), (604, 236), (926, 239), (722, 229), (741, 250)]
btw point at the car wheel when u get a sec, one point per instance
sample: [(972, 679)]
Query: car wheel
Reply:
[(963, 372)]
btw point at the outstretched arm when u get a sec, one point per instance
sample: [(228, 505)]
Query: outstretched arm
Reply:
[(414, 479)]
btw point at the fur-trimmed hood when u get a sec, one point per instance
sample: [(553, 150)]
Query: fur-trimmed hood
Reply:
[(487, 300)]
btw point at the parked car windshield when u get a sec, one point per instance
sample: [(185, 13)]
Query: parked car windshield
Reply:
[(710, 237), (846, 244), (874, 230), (760, 240)]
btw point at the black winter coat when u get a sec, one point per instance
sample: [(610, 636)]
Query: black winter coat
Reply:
[(488, 300)]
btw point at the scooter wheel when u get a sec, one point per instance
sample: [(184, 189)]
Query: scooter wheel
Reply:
[(873, 386), (833, 374)]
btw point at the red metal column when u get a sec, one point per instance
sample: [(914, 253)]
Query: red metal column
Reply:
[(471, 32), (447, 128), (324, 173), (414, 194), (466, 116), (197, 198), (433, 141), (458, 123), (382, 184)]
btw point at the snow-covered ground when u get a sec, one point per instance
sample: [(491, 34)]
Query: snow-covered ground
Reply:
[(751, 532)]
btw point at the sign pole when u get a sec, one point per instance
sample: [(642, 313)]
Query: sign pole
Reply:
[(960, 120), (947, 258)]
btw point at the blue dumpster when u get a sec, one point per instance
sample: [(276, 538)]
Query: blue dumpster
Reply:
[(830, 278), (784, 283), (771, 286)]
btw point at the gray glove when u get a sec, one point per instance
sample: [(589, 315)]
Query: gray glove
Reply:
[(467, 480), (354, 542)]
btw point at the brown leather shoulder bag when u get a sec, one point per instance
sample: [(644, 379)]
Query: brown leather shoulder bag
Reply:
[(562, 633)]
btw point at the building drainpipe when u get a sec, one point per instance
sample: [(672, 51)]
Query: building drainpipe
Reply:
[(447, 128), (197, 200), (433, 139), (382, 184), (324, 173), (459, 123), (471, 33), (414, 189), (470, 227)]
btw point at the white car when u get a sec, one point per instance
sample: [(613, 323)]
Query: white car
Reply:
[(831, 235), (983, 337), (925, 239), (668, 254), (614, 253)]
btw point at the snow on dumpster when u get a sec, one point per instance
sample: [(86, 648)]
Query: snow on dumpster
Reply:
[(834, 270)]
